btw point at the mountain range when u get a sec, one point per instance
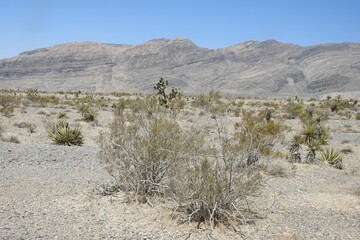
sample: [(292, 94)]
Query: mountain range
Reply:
[(250, 67)]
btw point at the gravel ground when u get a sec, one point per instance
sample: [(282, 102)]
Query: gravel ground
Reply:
[(47, 192)]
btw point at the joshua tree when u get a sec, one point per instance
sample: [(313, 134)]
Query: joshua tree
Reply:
[(164, 98)]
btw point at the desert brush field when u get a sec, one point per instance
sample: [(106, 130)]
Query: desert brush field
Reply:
[(87, 165)]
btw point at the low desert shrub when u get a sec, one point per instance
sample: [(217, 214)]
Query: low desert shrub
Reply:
[(294, 108), (140, 152), (62, 133), (32, 94), (258, 136), (8, 103), (151, 155), (357, 116), (212, 191)]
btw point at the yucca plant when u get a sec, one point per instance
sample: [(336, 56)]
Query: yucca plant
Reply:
[(89, 115), (309, 133), (61, 115), (82, 108), (62, 134), (331, 156), (314, 146), (295, 148)]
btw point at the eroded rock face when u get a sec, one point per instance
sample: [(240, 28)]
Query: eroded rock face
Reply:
[(247, 67)]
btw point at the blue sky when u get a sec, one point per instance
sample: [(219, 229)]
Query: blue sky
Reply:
[(30, 24)]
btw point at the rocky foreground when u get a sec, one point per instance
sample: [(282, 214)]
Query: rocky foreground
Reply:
[(49, 192)]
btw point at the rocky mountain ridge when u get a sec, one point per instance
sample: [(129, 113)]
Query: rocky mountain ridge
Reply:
[(251, 67)]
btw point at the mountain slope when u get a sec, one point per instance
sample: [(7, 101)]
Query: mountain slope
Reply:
[(251, 67)]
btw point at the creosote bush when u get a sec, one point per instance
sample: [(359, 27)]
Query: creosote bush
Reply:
[(7, 104), (256, 136), (213, 188), (62, 133), (152, 155), (142, 150)]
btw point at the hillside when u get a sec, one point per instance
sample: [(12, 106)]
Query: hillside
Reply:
[(250, 67)]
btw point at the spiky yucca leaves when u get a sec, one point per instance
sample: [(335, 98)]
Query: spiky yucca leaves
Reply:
[(313, 134), (62, 133), (331, 156), (82, 107), (61, 115), (89, 115)]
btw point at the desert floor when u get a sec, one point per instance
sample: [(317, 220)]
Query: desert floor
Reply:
[(51, 192)]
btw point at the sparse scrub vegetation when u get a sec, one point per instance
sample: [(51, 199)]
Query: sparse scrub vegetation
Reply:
[(207, 154), (88, 114), (152, 155)]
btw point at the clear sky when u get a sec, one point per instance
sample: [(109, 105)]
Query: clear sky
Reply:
[(30, 24)]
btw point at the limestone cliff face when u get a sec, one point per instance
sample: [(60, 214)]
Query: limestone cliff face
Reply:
[(251, 67)]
